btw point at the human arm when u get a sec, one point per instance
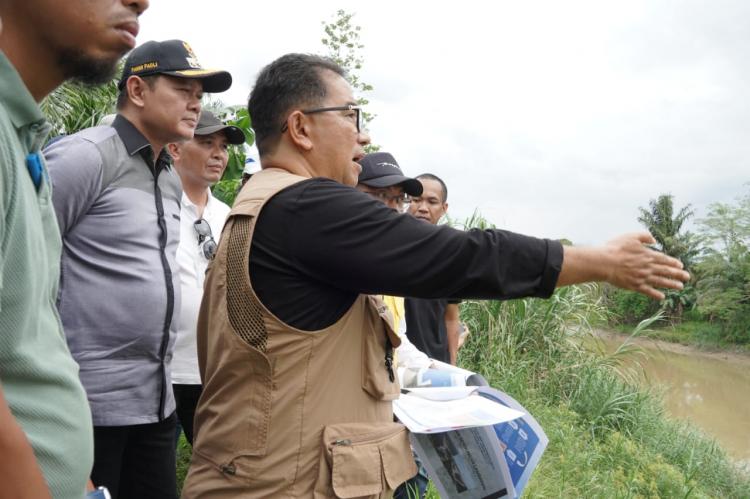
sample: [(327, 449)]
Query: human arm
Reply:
[(626, 263), (452, 323), (20, 474), (407, 355), (318, 244), (75, 169), (339, 236)]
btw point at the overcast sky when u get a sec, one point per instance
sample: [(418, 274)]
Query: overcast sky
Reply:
[(555, 119)]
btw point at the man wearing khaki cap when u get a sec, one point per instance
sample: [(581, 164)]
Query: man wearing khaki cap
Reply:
[(200, 163), (117, 201)]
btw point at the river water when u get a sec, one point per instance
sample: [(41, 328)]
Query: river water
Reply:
[(710, 389)]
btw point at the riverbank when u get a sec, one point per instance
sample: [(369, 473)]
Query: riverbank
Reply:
[(669, 342), (698, 334), (695, 385)]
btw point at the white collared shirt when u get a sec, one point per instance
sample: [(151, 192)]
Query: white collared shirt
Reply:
[(192, 269)]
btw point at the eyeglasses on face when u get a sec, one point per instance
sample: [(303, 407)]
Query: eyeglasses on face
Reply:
[(357, 116), (399, 200), (205, 238)]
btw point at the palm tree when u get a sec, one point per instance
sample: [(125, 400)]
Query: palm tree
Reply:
[(74, 106), (666, 227)]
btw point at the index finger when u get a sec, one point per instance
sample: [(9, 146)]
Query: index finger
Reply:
[(645, 237), (651, 292), (670, 261)]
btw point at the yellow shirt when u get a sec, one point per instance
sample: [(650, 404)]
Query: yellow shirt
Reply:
[(396, 305)]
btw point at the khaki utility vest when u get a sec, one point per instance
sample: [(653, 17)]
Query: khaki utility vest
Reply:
[(285, 412)]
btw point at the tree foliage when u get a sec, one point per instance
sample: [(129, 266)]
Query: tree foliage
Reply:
[(718, 258), (724, 271), (74, 106), (666, 227), (343, 45)]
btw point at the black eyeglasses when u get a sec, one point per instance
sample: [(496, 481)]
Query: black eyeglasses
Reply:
[(350, 107), (400, 200), (205, 238)]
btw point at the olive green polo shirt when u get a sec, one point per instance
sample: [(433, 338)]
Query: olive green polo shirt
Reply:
[(38, 376)]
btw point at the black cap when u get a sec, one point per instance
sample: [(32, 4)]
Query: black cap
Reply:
[(379, 169), (173, 58), (208, 124)]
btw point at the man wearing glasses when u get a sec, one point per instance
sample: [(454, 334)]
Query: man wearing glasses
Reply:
[(117, 200), (200, 162), (295, 353), (382, 178)]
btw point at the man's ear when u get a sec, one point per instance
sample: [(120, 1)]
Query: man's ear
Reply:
[(174, 150), (299, 130), (136, 87), (445, 208)]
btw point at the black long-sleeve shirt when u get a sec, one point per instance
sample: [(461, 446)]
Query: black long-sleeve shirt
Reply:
[(318, 244)]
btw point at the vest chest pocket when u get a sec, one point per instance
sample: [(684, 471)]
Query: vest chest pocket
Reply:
[(364, 460), (379, 342)]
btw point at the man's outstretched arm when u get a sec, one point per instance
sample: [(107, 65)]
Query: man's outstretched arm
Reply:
[(20, 475), (626, 263)]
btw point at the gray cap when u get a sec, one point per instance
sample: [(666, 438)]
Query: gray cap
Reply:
[(208, 124)]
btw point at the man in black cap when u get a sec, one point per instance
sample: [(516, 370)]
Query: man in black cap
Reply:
[(200, 162), (117, 200), (382, 178)]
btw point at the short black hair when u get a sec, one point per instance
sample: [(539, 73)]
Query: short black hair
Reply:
[(122, 97), (430, 176), (291, 81)]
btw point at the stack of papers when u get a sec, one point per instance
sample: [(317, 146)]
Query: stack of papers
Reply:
[(435, 410), (474, 441)]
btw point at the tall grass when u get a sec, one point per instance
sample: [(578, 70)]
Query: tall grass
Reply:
[(608, 437)]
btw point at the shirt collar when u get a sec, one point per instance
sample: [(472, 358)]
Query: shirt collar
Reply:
[(136, 142), (22, 109), (132, 137), (187, 202)]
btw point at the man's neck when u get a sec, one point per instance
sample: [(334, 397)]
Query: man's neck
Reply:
[(35, 63), (197, 194), (286, 159)]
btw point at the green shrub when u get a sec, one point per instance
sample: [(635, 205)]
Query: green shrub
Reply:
[(737, 328), (629, 307)]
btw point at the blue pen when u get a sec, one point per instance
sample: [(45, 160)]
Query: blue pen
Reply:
[(36, 170)]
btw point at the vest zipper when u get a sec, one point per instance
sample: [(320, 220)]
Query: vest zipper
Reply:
[(228, 469), (389, 359)]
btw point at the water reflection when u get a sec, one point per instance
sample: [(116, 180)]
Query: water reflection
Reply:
[(712, 392)]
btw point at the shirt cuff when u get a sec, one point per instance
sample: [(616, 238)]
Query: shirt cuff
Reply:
[(552, 267)]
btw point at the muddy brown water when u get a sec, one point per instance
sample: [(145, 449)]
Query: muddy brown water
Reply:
[(712, 390)]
